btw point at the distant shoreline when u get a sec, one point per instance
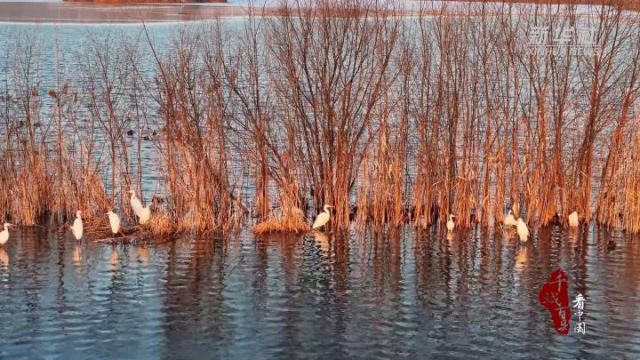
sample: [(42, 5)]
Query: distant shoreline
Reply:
[(85, 12), (88, 13)]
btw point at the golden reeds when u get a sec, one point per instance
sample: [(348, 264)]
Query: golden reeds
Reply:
[(388, 119), (291, 221)]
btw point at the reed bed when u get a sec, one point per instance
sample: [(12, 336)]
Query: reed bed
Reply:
[(292, 221), (390, 119)]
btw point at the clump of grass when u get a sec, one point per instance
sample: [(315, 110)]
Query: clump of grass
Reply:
[(161, 224), (97, 227), (291, 221)]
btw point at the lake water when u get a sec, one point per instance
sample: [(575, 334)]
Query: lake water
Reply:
[(409, 294)]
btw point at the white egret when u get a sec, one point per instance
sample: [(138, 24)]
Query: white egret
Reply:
[(78, 228), (510, 220), (144, 215), (114, 221), (450, 224), (323, 218), (573, 219), (523, 230), (4, 235), (136, 205)]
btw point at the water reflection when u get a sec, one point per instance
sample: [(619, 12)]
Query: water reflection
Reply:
[(143, 255), (77, 256), (404, 293), (4, 259), (114, 259), (322, 241)]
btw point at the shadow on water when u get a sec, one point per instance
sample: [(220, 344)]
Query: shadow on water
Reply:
[(470, 294)]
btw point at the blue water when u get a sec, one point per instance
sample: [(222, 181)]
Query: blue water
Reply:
[(408, 295)]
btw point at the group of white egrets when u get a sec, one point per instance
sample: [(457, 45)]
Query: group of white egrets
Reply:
[(144, 214), (77, 229), (519, 224)]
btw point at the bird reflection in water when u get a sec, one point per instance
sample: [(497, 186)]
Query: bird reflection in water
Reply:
[(322, 241), (114, 260), (521, 259), (77, 255), (4, 259), (143, 255), (572, 235), (507, 235)]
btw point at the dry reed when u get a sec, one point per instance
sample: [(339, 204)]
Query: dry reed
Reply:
[(389, 119), (291, 221)]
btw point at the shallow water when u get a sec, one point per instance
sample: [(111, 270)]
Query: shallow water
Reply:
[(403, 295)]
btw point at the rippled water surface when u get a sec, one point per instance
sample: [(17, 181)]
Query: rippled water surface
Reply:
[(407, 294)]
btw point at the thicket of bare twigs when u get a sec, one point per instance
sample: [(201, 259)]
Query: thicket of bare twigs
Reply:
[(391, 119)]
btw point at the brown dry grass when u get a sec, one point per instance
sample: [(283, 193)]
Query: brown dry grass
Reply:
[(353, 107), (161, 224)]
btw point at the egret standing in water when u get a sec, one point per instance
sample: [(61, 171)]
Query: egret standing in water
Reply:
[(136, 205), (510, 220), (450, 224), (78, 228), (114, 221), (4, 235), (574, 221), (523, 230), (323, 218)]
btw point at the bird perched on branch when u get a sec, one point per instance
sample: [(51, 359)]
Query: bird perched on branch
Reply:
[(136, 205), (574, 221), (523, 230), (323, 218), (114, 221), (510, 220), (143, 213), (450, 224)]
